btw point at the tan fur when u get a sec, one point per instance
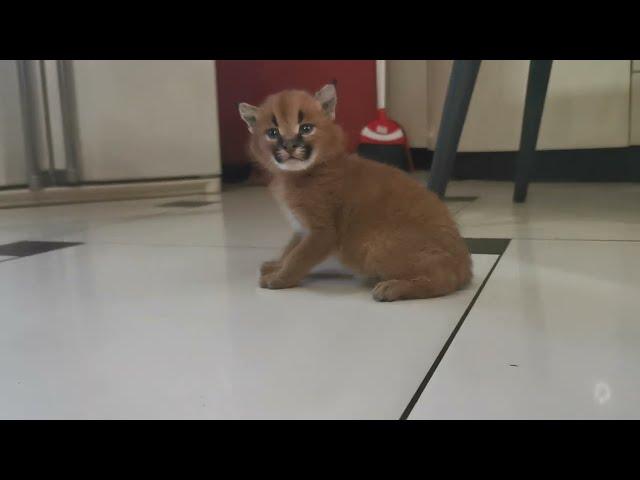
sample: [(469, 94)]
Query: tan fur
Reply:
[(375, 218)]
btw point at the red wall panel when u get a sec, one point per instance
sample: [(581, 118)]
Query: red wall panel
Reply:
[(252, 80)]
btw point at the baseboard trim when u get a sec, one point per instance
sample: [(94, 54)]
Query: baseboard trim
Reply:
[(583, 165), (108, 192)]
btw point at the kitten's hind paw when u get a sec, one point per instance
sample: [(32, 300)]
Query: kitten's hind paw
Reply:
[(270, 267), (419, 287), (275, 281)]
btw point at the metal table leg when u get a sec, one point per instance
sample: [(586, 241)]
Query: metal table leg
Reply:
[(461, 85), (539, 73)]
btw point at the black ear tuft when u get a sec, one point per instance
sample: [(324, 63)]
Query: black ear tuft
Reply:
[(334, 82)]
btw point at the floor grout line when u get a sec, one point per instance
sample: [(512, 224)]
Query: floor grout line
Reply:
[(416, 396), (8, 259), (464, 207), (539, 239)]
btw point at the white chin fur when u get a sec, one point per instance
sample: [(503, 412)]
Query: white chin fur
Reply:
[(295, 165)]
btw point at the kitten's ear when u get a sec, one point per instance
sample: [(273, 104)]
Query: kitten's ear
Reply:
[(248, 114), (328, 98)]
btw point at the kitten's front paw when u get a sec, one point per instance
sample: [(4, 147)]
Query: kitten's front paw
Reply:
[(274, 281), (270, 267)]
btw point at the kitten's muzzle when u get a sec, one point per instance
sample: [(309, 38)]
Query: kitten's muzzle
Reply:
[(291, 144), (291, 149)]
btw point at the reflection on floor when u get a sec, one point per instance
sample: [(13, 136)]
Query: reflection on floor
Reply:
[(150, 309)]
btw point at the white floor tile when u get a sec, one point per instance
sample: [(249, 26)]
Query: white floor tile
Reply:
[(555, 334), (119, 331), (159, 315), (4, 257), (246, 217), (579, 211), (89, 221)]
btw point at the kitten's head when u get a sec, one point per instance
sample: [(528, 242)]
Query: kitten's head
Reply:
[(293, 130)]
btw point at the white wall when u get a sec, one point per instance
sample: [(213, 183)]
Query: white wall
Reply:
[(495, 114), (147, 119), (407, 98), (587, 104), (635, 109), (12, 159)]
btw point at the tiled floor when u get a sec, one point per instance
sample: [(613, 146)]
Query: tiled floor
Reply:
[(555, 334), (156, 313)]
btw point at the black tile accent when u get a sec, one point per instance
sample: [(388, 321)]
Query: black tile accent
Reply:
[(187, 204), (494, 242), (27, 248), (487, 246)]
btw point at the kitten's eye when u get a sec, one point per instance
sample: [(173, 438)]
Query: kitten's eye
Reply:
[(273, 133), (306, 128)]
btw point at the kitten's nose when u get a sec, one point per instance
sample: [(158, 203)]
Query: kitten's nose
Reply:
[(291, 144)]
